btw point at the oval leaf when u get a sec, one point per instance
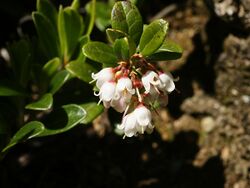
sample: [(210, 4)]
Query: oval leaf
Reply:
[(47, 35), (63, 119), (21, 55), (28, 131), (121, 48), (92, 111), (153, 37), (9, 88), (114, 34), (83, 69), (100, 52), (46, 8), (168, 51), (51, 67), (44, 103), (126, 17), (58, 80), (102, 14), (70, 28)]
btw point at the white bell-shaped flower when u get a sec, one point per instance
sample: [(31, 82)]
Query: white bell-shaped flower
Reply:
[(143, 116), (166, 82), (107, 92), (129, 125), (124, 85), (150, 79), (105, 75), (121, 103), (124, 92), (137, 121)]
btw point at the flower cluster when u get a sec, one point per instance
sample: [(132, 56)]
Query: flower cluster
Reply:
[(134, 88)]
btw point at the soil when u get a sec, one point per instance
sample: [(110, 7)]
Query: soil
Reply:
[(201, 140)]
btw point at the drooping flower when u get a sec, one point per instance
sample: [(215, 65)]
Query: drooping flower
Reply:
[(143, 118), (124, 84), (129, 125), (137, 121), (166, 82), (105, 75), (107, 93), (124, 92), (150, 80)]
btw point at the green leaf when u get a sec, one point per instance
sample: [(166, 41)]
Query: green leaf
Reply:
[(102, 14), (169, 50), (47, 35), (93, 110), (82, 41), (83, 69), (63, 119), (46, 8), (28, 131), (44, 103), (58, 80), (70, 28), (121, 48), (126, 17), (51, 67), (11, 88), (100, 52), (75, 4), (114, 34), (21, 54), (153, 37)]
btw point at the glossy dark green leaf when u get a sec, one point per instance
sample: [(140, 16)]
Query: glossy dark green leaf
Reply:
[(121, 48), (28, 131), (169, 50), (114, 34), (63, 119), (70, 28), (82, 41), (92, 111), (83, 69), (44, 103), (100, 52), (58, 80), (11, 88), (153, 37), (21, 54), (46, 8), (126, 17), (47, 34), (51, 67)]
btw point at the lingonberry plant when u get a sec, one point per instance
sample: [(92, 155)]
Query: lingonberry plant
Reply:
[(130, 82), (45, 90)]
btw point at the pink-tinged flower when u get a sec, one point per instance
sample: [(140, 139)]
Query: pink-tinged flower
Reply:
[(121, 103), (105, 75), (107, 93), (150, 81), (166, 82), (137, 121), (124, 85), (129, 125), (143, 116), (124, 92)]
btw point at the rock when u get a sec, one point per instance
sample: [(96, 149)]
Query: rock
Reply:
[(207, 124), (234, 12)]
